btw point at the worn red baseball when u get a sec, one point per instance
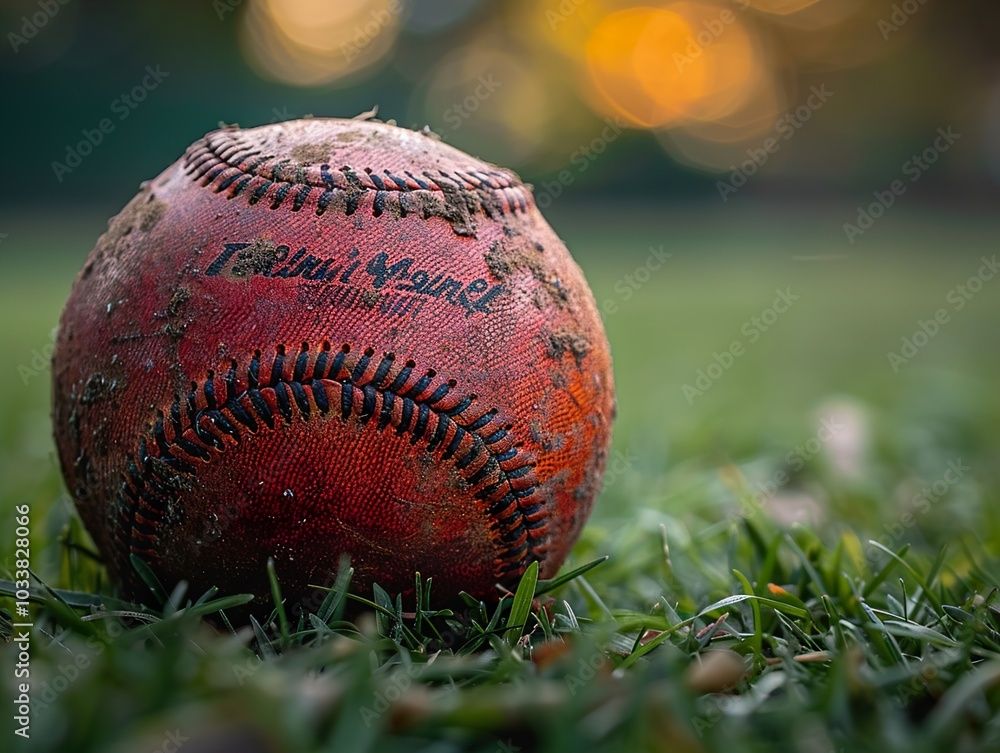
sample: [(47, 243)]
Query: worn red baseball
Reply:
[(329, 337)]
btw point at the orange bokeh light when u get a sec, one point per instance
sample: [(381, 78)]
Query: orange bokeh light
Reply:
[(667, 65)]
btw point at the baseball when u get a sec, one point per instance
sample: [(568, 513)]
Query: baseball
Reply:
[(329, 337)]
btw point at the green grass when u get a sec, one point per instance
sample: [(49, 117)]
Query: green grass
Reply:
[(847, 610)]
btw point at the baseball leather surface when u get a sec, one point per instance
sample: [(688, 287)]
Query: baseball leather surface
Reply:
[(325, 337)]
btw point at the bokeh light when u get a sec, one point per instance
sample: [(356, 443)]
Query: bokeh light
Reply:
[(778, 7), (610, 59), (560, 25), (312, 42), (685, 61), (485, 93), (709, 78)]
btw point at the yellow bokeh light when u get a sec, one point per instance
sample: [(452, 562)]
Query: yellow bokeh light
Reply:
[(312, 42), (483, 93), (562, 25), (310, 22)]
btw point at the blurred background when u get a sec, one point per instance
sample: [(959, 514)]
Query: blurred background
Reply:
[(700, 158), (524, 83)]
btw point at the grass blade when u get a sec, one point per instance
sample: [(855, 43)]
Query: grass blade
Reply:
[(547, 586), (279, 603), (521, 607)]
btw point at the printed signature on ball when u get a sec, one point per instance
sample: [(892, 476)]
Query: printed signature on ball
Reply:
[(356, 274)]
